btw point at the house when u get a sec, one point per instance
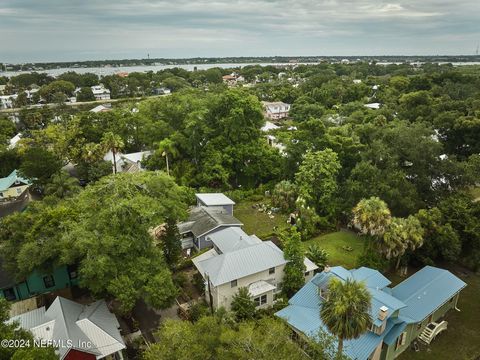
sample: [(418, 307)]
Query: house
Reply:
[(14, 141), (86, 332), (214, 200), (100, 92), (202, 222), (13, 186), (275, 110), (239, 260), (400, 315), (130, 163), (373, 106), (36, 283), (7, 101), (269, 126), (232, 79), (161, 91), (272, 139), (101, 108)]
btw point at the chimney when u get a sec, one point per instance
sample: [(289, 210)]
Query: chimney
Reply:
[(382, 314)]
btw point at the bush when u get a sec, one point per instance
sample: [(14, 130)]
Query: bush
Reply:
[(199, 283), (180, 279), (198, 310), (372, 259)]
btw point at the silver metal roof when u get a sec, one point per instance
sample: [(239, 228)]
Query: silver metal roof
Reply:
[(214, 199)]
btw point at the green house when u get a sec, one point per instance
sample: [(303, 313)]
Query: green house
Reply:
[(36, 283), (409, 312)]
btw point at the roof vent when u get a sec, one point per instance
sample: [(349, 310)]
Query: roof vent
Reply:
[(382, 314)]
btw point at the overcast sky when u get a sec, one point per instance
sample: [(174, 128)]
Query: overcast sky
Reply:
[(57, 30)]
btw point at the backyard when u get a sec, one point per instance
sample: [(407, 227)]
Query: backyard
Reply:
[(343, 247), (258, 222), (461, 341)]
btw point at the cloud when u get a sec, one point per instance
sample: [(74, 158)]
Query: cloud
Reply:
[(81, 29)]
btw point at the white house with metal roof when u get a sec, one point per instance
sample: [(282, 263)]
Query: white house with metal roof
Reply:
[(275, 110), (215, 200), (128, 162), (77, 331), (240, 260)]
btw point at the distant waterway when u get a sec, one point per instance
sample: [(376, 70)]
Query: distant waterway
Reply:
[(110, 70)]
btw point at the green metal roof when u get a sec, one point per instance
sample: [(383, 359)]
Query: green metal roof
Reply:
[(7, 182)]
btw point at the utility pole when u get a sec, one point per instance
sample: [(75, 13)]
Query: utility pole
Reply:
[(210, 297)]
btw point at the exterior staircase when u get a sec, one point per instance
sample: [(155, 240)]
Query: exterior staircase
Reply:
[(431, 331)]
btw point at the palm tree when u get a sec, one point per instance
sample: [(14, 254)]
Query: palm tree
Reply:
[(62, 185), (401, 235), (346, 310), (114, 143), (318, 255), (372, 216), (166, 147)]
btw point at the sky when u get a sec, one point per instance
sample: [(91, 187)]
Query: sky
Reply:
[(73, 30)]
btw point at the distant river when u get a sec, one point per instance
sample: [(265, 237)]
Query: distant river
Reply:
[(110, 70)]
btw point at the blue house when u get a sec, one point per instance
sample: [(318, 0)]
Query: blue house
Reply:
[(400, 315)]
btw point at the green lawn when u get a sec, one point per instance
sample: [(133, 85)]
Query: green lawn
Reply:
[(256, 222), (461, 341), (475, 193), (334, 244)]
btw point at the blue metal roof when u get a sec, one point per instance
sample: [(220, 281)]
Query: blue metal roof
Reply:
[(372, 277), (414, 298), (393, 334), (425, 291)]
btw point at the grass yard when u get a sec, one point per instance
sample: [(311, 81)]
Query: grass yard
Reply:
[(256, 222), (335, 244), (475, 192), (461, 341)]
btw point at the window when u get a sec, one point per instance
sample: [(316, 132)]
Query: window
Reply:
[(402, 339), (271, 271), (324, 293), (9, 294), (261, 300), (233, 283), (48, 281), (72, 272), (307, 273)]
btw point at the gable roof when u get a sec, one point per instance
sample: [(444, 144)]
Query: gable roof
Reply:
[(232, 238), (426, 290), (237, 264), (8, 181), (303, 314), (204, 219), (214, 199), (415, 298), (66, 320)]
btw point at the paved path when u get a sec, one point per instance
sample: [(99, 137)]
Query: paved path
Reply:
[(149, 319)]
